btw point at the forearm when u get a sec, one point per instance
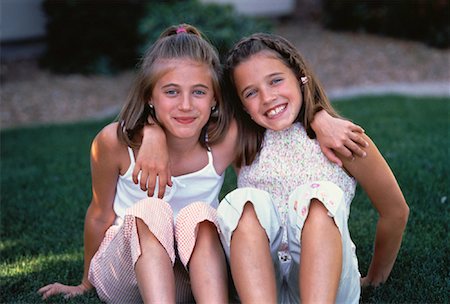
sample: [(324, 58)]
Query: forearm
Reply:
[(153, 131), (388, 239), (94, 232)]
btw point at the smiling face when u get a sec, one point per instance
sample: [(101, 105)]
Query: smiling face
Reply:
[(182, 97), (269, 90)]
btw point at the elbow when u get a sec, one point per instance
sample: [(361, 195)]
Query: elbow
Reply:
[(403, 215), (406, 213), (399, 216)]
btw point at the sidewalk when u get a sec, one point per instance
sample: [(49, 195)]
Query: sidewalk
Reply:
[(431, 89)]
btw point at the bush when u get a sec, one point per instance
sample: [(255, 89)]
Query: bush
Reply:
[(220, 23), (98, 37), (91, 36), (423, 20)]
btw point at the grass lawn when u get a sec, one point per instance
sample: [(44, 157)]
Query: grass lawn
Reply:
[(45, 190)]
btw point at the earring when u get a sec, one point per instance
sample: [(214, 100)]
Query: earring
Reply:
[(304, 80), (151, 106), (214, 111)]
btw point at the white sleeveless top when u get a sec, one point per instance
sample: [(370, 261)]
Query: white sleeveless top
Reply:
[(202, 185)]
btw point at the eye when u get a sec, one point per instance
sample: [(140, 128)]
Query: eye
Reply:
[(199, 92), (171, 92), (249, 93), (276, 80)]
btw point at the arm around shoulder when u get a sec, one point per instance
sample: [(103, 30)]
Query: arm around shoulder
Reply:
[(338, 136)]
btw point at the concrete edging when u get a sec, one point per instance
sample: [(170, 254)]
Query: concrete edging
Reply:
[(431, 89)]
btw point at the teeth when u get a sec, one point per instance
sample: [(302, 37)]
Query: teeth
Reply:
[(275, 111)]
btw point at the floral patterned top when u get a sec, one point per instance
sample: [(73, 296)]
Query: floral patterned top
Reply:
[(288, 159)]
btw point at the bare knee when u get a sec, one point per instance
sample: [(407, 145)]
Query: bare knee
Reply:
[(249, 222), (318, 215), (207, 233), (146, 237)]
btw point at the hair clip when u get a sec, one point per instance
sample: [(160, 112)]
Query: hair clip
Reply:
[(304, 79), (181, 30)]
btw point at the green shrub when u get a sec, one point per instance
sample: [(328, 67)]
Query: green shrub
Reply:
[(98, 37), (220, 23), (91, 36), (423, 20)]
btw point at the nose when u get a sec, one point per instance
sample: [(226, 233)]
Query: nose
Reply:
[(267, 94), (185, 103)]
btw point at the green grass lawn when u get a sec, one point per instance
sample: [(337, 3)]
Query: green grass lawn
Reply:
[(45, 190)]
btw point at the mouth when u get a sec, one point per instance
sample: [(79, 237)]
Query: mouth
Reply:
[(275, 111), (184, 120)]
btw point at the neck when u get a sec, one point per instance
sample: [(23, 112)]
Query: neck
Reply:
[(182, 147), (186, 156)]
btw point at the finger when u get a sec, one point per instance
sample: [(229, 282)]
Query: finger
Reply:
[(70, 295), (44, 289), (52, 291), (162, 185), (344, 151), (355, 149), (332, 156), (151, 184), (356, 128), (135, 175), (143, 180), (169, 179), (359, 140)]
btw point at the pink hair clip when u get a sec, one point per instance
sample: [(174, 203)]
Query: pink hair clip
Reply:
[(181, 30)]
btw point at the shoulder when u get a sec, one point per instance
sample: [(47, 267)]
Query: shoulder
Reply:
[(107, 144), (371, 168), (224, 152), (107, 137)]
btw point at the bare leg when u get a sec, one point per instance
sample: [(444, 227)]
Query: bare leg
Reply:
[(207, 267), (251, 263), (153, 269), (321, 257)]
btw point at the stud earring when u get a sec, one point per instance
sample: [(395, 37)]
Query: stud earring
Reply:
[(214, 112), (304, 80)]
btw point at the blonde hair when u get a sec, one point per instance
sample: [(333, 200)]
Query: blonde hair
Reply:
[(314, 98), (178, 41)]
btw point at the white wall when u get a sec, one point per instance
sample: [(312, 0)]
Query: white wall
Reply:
[(269, 8), (21, 19)]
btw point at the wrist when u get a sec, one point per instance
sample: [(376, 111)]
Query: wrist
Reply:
[(152, 129), (86, 285), (319, 115)]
